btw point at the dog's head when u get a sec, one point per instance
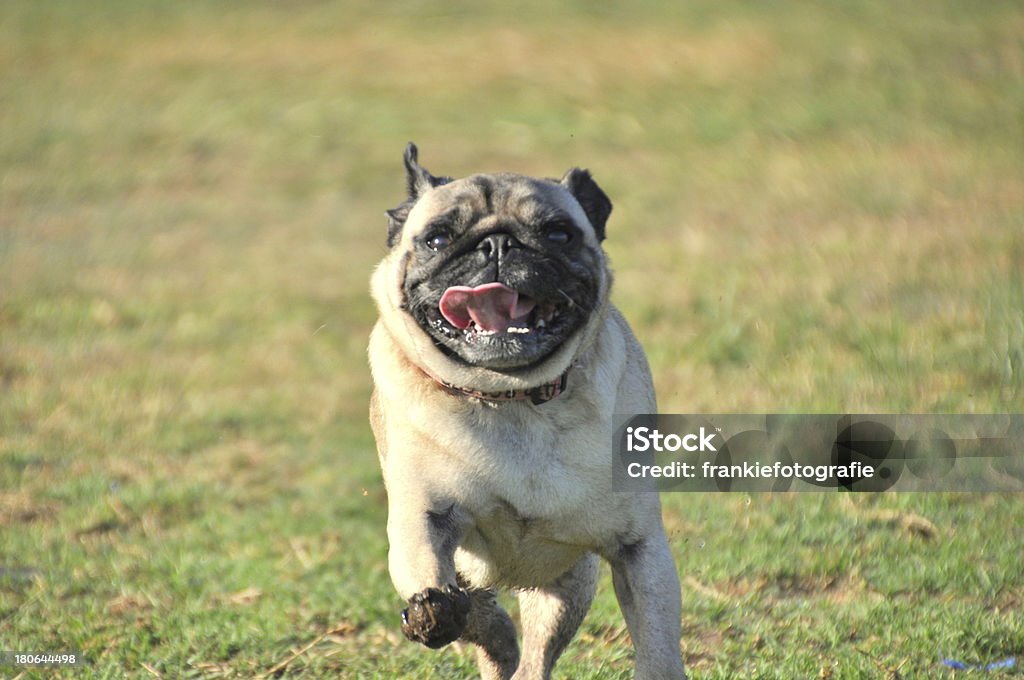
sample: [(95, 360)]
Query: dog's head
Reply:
[(499, 277)]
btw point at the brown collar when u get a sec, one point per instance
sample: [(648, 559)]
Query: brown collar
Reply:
[(537, 395)]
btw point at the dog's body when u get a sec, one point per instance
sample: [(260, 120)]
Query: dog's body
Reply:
[(493, 423)]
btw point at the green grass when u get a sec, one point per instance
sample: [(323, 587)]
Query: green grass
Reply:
[(819, 207)]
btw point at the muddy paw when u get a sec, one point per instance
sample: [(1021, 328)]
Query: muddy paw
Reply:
[(436, 617)]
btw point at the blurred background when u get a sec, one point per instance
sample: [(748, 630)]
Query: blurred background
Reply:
[(819, 207)]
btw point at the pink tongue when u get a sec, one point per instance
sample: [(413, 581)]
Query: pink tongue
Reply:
[(492, 306)]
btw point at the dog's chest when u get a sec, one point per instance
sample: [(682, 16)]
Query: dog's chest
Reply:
[(536, 483), (524, 465)]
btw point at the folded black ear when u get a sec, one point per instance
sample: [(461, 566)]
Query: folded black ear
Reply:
[(396, 220), (418, 181), (590, 197)]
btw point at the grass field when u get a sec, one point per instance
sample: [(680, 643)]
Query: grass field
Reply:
[(819, 208)]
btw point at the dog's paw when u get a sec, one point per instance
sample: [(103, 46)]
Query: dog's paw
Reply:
[(436, 617)]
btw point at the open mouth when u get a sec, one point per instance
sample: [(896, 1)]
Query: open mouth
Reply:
[(491, 310)]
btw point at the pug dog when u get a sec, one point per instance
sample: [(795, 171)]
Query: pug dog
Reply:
[(498, 362)]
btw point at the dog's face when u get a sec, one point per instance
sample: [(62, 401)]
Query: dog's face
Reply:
[(500, 270)]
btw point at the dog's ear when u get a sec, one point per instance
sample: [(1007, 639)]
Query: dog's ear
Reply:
[(591, 198), (418, 181), (417, 178), (396, 220)]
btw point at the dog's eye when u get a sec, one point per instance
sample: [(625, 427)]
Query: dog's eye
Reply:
[(559, 236), (438, 241)]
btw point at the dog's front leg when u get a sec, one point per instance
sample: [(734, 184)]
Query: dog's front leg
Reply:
[(423, 536), (647, 587)]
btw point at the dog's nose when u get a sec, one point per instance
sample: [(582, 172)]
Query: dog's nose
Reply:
[(496, 246)]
